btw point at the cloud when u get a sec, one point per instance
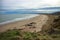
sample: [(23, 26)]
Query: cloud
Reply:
[(28, 4)]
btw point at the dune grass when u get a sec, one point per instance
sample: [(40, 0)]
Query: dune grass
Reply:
[(20, 35)]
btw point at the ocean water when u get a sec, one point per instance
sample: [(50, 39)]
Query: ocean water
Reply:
[(7, 18)]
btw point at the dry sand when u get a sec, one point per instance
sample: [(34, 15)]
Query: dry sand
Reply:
[(32, 24)]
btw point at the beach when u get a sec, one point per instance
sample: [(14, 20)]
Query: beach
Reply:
[(34, 24)]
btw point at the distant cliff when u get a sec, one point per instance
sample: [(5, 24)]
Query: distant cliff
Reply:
[(56, 13)]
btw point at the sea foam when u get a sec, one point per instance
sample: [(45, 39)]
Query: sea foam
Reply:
[(18, 19)]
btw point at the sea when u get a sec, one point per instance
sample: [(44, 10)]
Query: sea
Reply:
[(8, 18)]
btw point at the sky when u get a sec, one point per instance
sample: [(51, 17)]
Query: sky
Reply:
[(29, 4)]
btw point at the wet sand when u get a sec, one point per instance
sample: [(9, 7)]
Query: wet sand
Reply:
[(32, 24)]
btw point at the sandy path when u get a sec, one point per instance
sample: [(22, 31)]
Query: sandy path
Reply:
[(39, 20)]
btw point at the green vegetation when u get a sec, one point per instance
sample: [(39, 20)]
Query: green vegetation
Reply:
[(20, 35), (9, 35)]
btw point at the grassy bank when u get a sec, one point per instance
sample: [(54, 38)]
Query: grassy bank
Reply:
[(20, 35)]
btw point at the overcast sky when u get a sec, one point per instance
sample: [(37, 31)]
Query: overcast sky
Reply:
[(29, 4)]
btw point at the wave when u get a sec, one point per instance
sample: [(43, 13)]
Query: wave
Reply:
[(18, 19)]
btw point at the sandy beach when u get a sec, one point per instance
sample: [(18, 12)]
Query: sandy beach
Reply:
[(32, 24)]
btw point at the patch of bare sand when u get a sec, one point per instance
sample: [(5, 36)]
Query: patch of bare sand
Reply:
[(33, 24)]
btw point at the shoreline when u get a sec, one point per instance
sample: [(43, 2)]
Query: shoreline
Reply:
[(18, 19), (37, 24)]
